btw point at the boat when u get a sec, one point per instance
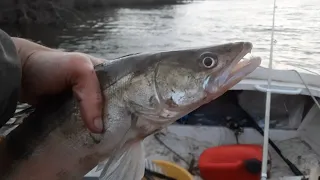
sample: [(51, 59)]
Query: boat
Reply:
[(293, 123), (283, 101)]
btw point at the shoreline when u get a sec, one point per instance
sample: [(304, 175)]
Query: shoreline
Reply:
[(60, 11)]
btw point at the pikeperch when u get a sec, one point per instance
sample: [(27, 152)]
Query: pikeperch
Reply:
[(145, 92)]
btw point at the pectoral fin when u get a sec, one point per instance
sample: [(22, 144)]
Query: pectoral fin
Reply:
[(127, 165)]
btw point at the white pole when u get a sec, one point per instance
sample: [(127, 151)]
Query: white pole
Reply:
[(268, 102)]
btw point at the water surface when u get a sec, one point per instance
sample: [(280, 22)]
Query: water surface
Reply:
[(113, 32)]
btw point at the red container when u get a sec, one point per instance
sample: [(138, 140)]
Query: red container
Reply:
[(230, 162)]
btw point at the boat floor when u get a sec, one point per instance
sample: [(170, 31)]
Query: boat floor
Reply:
[(297, 151)]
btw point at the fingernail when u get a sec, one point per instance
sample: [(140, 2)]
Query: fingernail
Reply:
[(98, 124)]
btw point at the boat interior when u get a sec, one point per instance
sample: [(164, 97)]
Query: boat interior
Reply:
[(237, 117)]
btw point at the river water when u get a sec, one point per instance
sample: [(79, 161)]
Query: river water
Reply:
[(110, 33)]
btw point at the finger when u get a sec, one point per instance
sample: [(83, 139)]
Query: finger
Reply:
[(87, 90)]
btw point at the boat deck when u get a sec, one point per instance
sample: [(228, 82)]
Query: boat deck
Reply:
[(294, 149)]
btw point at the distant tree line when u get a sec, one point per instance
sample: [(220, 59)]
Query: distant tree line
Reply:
[(56, 11)]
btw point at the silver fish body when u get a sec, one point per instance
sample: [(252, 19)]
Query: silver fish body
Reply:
[(145, 93)]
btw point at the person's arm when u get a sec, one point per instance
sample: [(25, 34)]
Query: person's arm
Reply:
[(26, 48), (10, 77), (30, 72)]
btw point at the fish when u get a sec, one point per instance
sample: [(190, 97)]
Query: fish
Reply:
[(144, 93)]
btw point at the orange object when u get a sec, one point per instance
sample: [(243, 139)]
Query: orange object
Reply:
[(230, 162), (173, 170)]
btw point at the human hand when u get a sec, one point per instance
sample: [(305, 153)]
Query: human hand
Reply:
[(47, 71)]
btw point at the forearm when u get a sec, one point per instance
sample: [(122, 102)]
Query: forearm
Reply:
[(26, 48)]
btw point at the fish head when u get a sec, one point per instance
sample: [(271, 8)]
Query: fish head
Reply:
[(187, 79)]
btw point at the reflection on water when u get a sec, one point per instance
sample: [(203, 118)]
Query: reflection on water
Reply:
[(114, 32)]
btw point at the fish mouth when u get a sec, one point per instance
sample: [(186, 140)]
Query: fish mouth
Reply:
[(242, 67), (237, 70)]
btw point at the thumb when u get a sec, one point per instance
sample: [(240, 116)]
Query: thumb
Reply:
[(86, 88)]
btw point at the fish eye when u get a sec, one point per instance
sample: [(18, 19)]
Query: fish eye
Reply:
[(209, 60)]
